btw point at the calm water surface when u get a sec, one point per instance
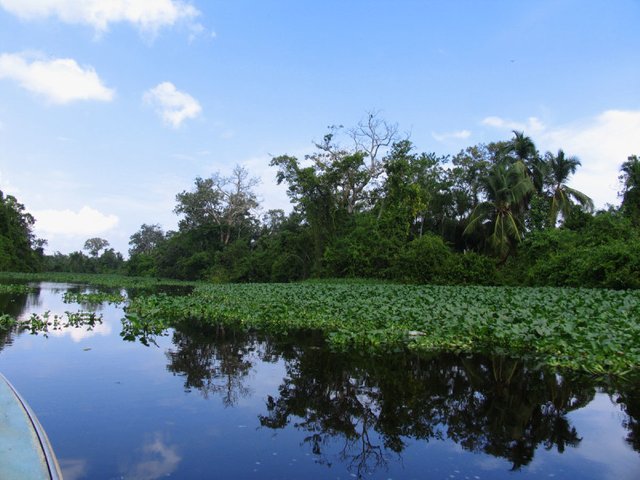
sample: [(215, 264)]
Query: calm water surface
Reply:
[(227, 405)]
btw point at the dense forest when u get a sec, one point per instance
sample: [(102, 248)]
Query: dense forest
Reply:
[(366, 204)]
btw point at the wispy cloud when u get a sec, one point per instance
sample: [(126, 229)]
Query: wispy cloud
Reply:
[(6, 187), (173, 106), (85, 222), (159, 459), (458, 135), (59, 80), (147, 15), (532, 125), (601, 142)]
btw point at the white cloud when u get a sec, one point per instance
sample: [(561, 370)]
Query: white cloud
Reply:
[(532, 125), (159, 459), (80, 334), (602, 143), (148, 15), (442, 137), (85, 222), (270, 194), (59, 80), (7, 188), (173, 106)]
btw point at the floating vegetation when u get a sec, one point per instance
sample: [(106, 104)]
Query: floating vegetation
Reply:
[(93, 298), (597, 331), (43, 324), (6, 322), (15, 288), (105, 280), (142, 329)]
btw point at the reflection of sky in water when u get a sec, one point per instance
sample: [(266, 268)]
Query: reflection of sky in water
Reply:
[(117, 409), (158, 459), (49, 298), (82, 333), (602, 446)]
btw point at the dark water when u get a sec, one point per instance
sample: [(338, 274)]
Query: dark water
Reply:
[(228, 405)]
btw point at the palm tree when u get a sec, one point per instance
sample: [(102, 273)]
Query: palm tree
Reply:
[(630, 177), (563, 197), (500, 216), (521, 149)]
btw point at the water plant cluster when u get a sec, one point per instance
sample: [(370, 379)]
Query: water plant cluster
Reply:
[(103, 280), (93, 298), (46, 322), (6, 322), (590, 330), (14, 288)]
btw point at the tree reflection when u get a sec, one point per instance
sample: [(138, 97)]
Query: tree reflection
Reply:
[(14, 305), (361, 411), (486, 404), (627, 394), (216, 363)]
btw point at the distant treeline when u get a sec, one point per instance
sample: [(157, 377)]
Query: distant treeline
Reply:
[(367, 205)]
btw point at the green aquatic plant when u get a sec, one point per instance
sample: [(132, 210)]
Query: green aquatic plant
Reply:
[(596, 331), (46, 322), (6, 322), (105, 280), (93, 298), (15, 288), (144, 330)]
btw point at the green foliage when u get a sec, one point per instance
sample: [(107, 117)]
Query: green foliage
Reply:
[(94, 245), (424, 260), (19, 249), (630, 178), (142, 264), (564, 198), (43, 324), (14, 288), (591, 330), (499, 217), (105, 280), (6, 322), (145, 240), (470, 268), (93, 298), (603, 252), (364, 251), (109, 261)]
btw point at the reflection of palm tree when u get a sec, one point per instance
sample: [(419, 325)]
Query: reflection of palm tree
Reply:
[(506, 188), (493, 405), (561, 168)]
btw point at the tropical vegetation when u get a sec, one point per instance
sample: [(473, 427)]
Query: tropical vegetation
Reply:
[(367, 205)]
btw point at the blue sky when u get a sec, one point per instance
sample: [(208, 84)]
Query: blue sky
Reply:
[(108, 108)]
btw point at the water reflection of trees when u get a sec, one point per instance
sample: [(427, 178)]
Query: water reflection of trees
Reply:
[(214, 363), (627, 395), (15, 305), (485, 404), (370, 408)]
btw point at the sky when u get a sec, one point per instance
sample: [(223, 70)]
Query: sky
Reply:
[(109, 108)]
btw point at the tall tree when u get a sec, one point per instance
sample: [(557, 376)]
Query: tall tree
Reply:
[(499, 216), (146, 239), (94, 245), (563, 197), (630, 178), (521, 149), (227, 203), (19, 248)]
